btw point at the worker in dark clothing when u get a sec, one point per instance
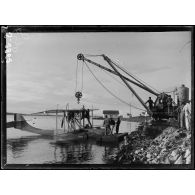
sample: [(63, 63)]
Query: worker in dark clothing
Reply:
[(150, 103), (118, 122), (107, 125), (169, 104), (164, 101), (87, 115), (112, 124)]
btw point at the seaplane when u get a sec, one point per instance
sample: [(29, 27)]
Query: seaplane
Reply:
[(76, 125)]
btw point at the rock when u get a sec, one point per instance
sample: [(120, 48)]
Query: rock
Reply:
[(188, 136), (148, 155), (158, 157), (169, 145), (163, 150), (155, 154), (187, 153), (188, 159), (182, 135), (167, 161), (136, 151), (179, 160), (174, 155), (154, 161)]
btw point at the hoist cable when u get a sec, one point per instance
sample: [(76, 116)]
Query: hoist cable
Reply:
[(91, 55), (170, 91), (110, 91), (117, 80), (76, 76), (114, 78), (133, 76), (136, 78), (82, 78)]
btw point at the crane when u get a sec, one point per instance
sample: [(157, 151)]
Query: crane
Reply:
[(157, 111)]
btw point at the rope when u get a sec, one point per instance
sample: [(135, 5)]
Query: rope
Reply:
[(82, 78), (76, 86), (76, 76), (114, 78), (110, 91), (139, 80), (117, 81), (169, 91), (91, 55)]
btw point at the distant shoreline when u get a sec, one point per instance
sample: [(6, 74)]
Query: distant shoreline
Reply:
[(132, 119), (33, 114)]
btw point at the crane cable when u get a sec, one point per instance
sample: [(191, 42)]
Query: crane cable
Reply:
[(76, 85), (82, 78), (115, 78), (76, 76), (122, 84), (110, 91), (92, 55), (139, 80)]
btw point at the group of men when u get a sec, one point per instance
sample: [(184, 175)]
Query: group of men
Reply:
[(110, 123), (165, 102)]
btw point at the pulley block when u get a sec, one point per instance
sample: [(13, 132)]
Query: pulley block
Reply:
[(78, 95)]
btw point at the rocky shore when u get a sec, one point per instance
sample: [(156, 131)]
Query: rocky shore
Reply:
[(156, 145)]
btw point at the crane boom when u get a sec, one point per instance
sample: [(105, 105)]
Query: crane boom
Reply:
[(81, 57)]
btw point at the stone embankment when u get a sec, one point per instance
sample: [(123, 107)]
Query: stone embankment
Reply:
[(165, 145)]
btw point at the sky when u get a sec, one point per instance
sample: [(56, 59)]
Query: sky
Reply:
[(43, 66)]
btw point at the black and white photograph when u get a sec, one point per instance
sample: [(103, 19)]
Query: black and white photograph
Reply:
[(97, 97)]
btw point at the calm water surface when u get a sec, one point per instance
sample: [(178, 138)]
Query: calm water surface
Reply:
[(29, 148)]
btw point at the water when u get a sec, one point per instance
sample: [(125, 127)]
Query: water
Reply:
[(29, 148)]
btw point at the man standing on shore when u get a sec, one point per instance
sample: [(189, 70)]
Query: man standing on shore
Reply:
[(112, 124), (150, 102), (118, 122), (107, 125)]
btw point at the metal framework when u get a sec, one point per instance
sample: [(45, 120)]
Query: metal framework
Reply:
[(123, 78)]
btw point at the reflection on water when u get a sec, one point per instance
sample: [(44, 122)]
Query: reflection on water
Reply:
[(25, 148), (17, 146), (77, 153), (20, 151)]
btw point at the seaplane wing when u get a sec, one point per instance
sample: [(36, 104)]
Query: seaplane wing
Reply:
[(61, 111)]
